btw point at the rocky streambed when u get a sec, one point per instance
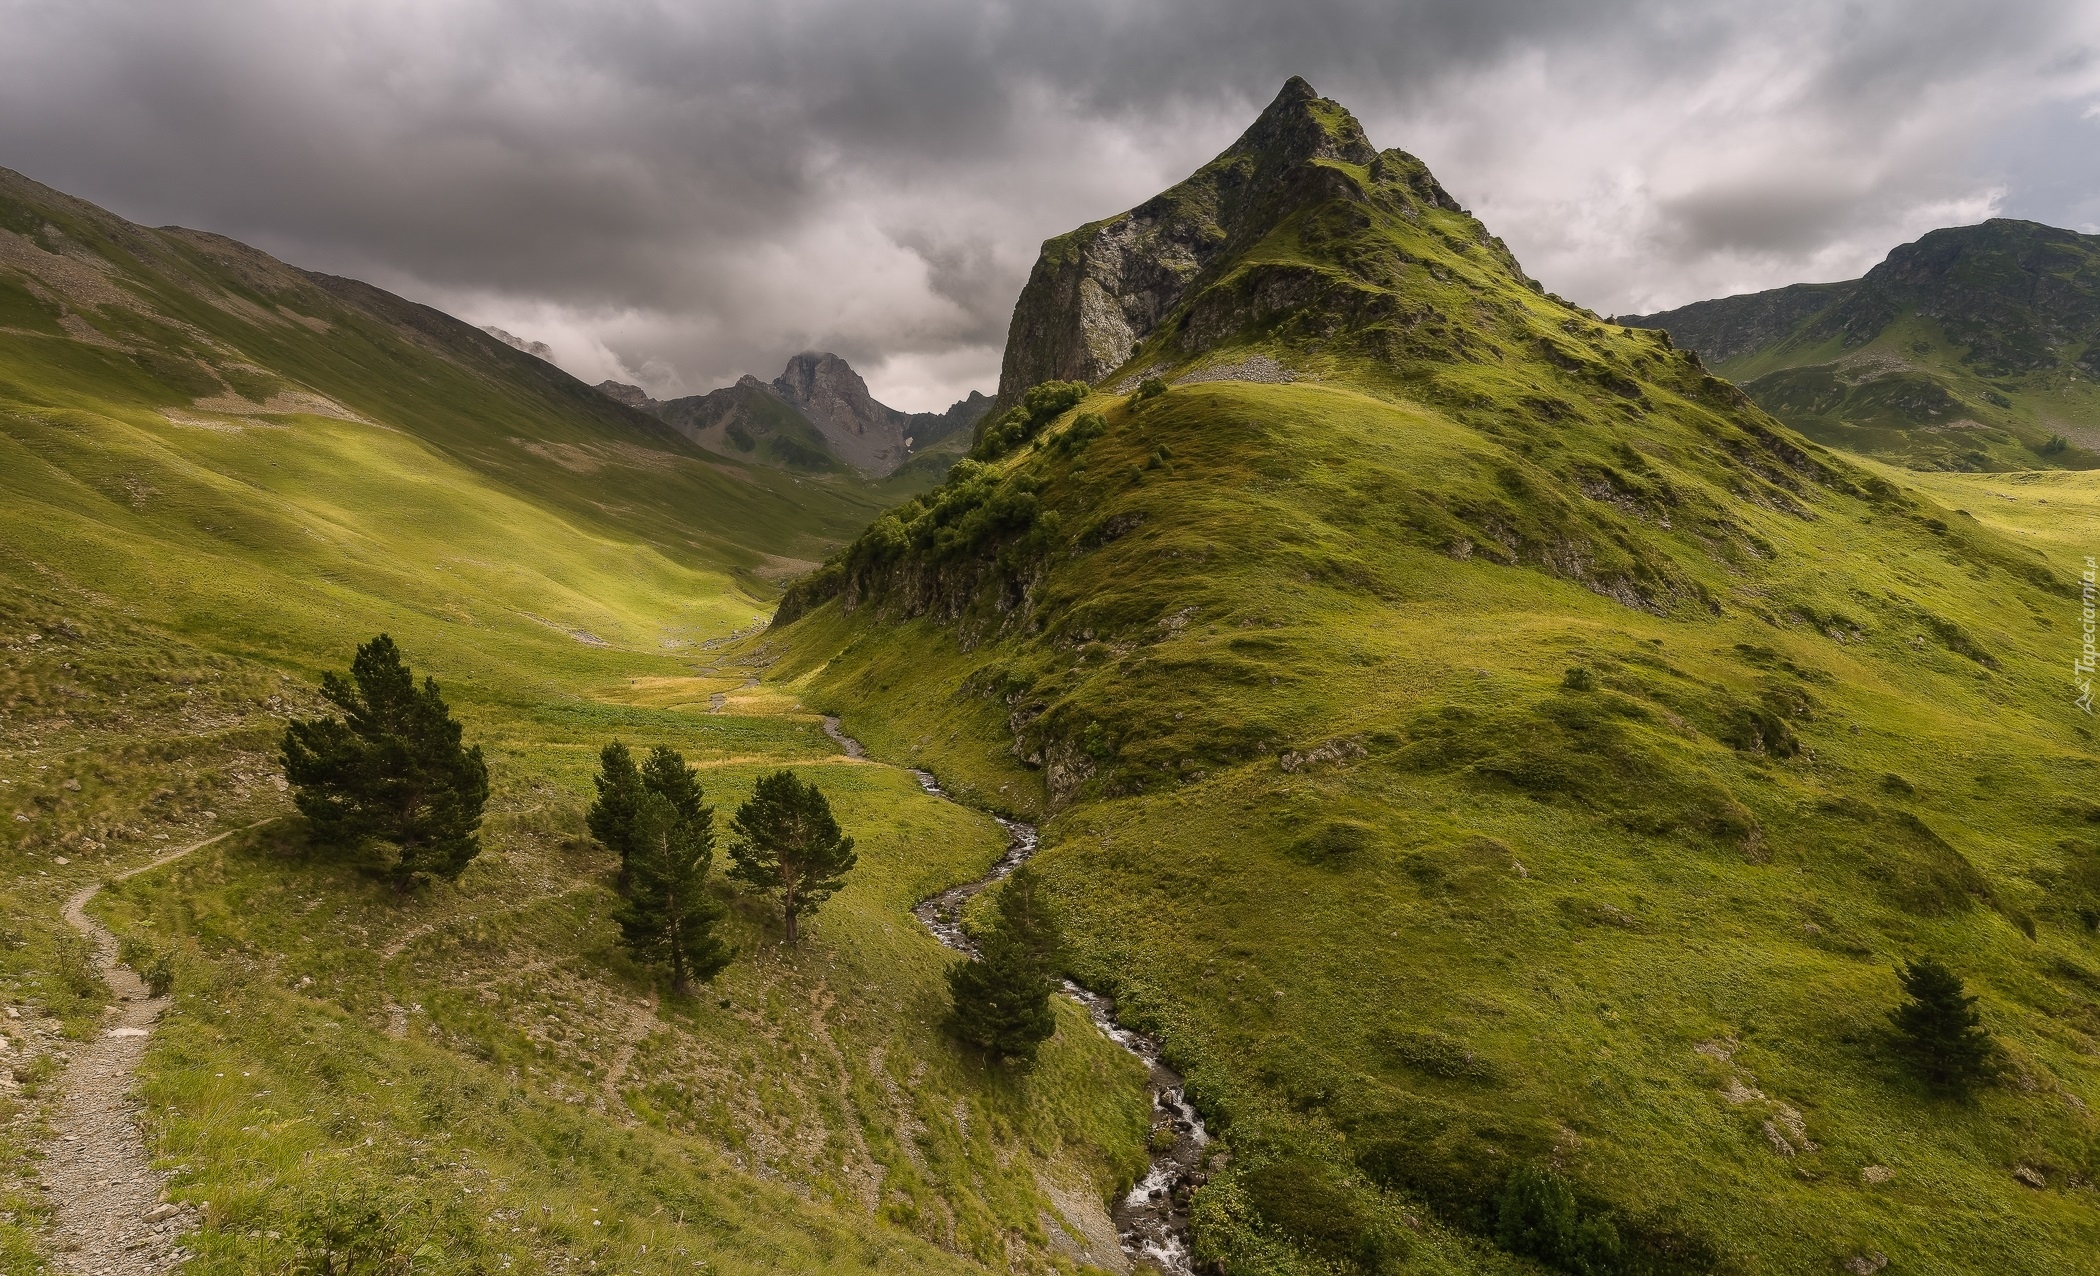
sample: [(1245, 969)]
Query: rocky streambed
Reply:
[(1152, 1219)]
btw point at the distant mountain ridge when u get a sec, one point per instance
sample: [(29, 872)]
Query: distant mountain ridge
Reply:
[(816, 414), (1976, 347)]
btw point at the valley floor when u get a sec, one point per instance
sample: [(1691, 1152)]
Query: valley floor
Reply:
[(477, 1077)]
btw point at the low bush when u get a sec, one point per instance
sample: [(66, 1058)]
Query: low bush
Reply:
[(1014, 427)]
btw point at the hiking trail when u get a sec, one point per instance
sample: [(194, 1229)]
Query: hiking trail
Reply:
[(110, 1217)]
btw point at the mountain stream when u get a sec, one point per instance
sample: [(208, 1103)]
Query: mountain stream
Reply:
[(1152, 1219)]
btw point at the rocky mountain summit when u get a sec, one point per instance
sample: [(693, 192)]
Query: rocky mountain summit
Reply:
[(1100, 292), (815, 415), (1976, 347)]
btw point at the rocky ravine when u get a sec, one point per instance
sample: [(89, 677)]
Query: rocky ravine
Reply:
[(1152, 1218)]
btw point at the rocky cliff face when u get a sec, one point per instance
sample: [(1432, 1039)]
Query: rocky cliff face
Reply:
[(824, 388), (928, 428), (1098, 292)]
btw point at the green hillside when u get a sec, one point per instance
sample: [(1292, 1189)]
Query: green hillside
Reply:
[(1491, 751), (1975, 348), (218, 474)]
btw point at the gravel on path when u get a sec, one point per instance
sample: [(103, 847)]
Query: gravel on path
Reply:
[(110, 1215)]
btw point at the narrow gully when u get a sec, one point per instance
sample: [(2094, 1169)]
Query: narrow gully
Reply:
[(1152, 1219)]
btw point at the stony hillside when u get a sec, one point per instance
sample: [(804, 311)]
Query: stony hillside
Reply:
[(1493, 752), (816, 415), (1975, 348)]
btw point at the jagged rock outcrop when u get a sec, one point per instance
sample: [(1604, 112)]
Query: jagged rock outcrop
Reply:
[(814, 415), (825, 389), (633, 396), (928, 428), (537, 349), (1099, 291)]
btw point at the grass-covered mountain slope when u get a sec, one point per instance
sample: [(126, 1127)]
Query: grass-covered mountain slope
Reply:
[(219, 474), (1975, 348), (1491, 751)]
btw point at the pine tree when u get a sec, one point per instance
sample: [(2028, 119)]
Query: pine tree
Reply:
[(621, 785), (788, 846), (1941, 1031), (1001, 996), (668, 918), (390, 770), (611, 817), (667, 774)]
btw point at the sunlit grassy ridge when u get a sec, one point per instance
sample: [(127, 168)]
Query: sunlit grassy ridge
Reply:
[(217, 476), (1504, 745)]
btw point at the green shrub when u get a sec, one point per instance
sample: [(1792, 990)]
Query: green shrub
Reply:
[(1085, 428), (1041, 405), (1538, 1217), (74, 985), (155, 967), (1939, 1031), (159, 975), (1150, 388)]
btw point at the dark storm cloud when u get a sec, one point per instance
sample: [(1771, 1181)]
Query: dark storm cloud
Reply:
[(686, 192)]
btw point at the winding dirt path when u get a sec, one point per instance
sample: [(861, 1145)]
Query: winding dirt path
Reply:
[(110, 1218)]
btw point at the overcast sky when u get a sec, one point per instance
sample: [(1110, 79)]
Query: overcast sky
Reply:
[(676, 194)]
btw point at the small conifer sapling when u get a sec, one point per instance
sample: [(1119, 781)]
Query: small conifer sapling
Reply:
[(1939, 1028), (392, 769), (788, 846), (1001, 995)]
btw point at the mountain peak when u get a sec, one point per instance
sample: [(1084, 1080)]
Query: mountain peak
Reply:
[(1299, 126), (826, 389), (818, 373), (1100, 292)]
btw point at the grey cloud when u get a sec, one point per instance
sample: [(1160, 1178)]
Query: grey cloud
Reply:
[(701, 189)]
